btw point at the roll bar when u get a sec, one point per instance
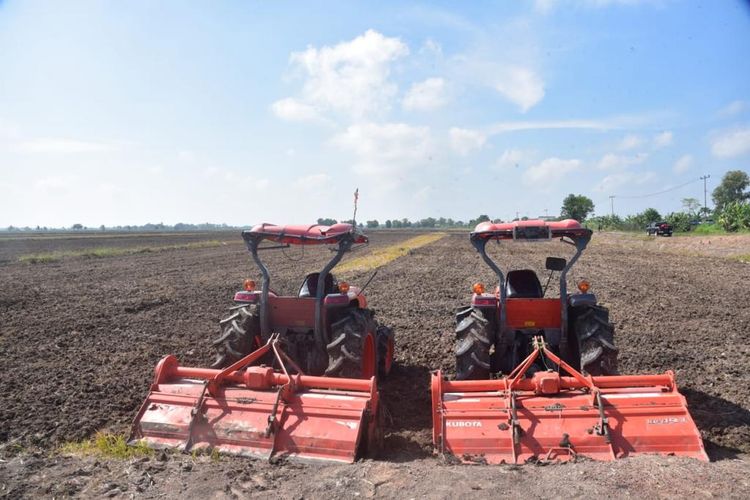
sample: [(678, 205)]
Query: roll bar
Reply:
[(568, 231), (344, 236)]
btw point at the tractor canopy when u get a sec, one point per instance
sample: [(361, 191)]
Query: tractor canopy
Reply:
[(315, 234), (527, 230)]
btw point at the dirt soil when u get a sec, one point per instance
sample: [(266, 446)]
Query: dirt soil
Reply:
[(79, 339)]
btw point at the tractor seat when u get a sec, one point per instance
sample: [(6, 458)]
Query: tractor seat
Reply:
[(523, 284), (310, 285)]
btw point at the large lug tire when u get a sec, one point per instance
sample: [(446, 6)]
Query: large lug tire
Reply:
[(473, 342), (240, 335), (352, 350), (595, 340), (386, 348)]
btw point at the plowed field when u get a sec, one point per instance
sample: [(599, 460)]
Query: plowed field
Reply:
[(79, 338)]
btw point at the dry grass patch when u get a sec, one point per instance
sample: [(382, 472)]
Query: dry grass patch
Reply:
[(382, 256)]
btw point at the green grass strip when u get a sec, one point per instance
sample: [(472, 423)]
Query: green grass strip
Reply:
[(103, 252), (107, 445)]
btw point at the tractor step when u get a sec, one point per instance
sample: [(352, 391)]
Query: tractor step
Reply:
[(257, 411), (552, 417)]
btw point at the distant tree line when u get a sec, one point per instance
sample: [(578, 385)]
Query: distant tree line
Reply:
[(732, 210), (429, 222), (134, 228)]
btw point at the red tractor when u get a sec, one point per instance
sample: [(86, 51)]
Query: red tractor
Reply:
[(294, 377), (537, 376), (326, 328), (494, 334)]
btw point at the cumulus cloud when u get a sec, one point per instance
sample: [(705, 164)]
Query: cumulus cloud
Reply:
[(630, 141), (60, 146), (733, 108), (350, 78), (426, 95), (683, 164), (550, 171), (463, 141), (663, 139), (731, 144), (293, 110), (611, 161), (385, 148), (547, 6), (55, 184), (312, 182), (510, 158), (622, 179), (520, 85)]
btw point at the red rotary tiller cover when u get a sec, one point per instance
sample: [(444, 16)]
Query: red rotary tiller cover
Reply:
[(550, 416), (258, 411)]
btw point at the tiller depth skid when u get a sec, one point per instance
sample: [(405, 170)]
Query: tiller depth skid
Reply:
[(550, 416), (257, 411)]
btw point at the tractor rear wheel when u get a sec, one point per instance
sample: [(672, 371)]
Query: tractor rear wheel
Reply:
[(386, 348), (595, 340), (473, 341), (351, 352), (240, 335)]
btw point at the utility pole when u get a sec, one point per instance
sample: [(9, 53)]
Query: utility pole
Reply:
[(705, 197), (612, 203)]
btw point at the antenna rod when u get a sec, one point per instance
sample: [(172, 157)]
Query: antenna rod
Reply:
[(703, 178), (356, 197)]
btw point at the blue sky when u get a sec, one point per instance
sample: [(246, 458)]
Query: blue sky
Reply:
[(240, 112)]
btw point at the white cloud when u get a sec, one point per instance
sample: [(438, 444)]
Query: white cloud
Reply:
[(312, 182), (547, 6), (292, 110), (60, 146), (550, 171), (683, 164), (521, 86), (350, 78), (731, 144), (186, 156), (663, 139), (510, 158), (621, 179), (55, 185), (236, 179), (629, 142), (611, 161), (515, 126), (733, 108), (423, 194), (385, 148), (464, 141), (426, 95)]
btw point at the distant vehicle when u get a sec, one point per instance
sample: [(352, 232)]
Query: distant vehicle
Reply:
[(659, 229)]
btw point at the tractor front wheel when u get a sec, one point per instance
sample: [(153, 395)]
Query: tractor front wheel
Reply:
[(473, 341)]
